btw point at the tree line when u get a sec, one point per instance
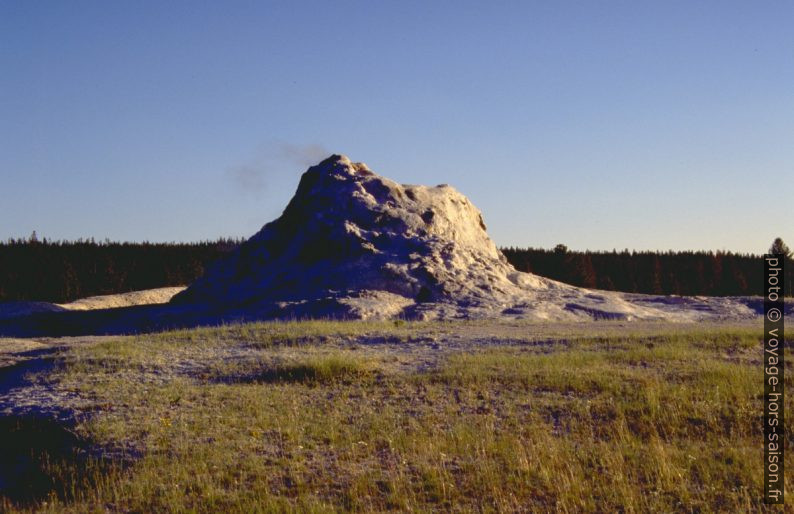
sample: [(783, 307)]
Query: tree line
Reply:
[(687, 273), (62, 271)]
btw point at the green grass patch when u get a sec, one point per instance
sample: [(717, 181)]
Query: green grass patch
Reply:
[(330, 416)]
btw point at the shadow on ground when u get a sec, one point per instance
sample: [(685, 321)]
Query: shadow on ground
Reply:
[(35, 452)]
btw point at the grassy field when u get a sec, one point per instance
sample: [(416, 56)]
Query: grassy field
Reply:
[(465, 416)]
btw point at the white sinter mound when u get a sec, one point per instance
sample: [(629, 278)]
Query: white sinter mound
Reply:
[(113, 301), (356, 245), (160, 295)]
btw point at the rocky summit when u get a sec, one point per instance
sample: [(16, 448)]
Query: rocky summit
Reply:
[(353, 244)]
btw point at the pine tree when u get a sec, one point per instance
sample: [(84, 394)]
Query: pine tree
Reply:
[(780, 248)]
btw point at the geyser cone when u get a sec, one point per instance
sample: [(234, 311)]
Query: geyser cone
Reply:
[(349, 233), (353, 244)]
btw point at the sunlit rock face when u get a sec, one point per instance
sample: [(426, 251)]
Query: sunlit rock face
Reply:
[(353, 244)]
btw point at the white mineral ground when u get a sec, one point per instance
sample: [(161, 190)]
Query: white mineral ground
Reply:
[(354, 245), (112, 301)]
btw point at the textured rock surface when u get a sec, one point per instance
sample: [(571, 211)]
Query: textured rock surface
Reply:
[(354, 244)]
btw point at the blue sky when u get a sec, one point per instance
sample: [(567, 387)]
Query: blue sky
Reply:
[(631, 124)]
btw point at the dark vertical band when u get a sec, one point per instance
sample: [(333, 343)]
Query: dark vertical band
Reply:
[(774, 433)]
